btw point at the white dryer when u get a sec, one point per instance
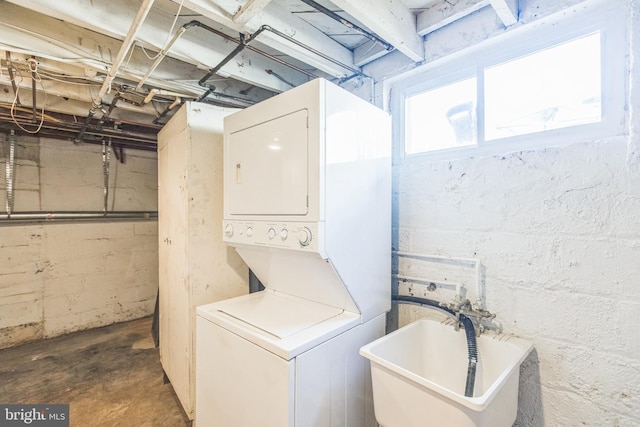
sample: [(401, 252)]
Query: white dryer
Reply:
[(307, 205)]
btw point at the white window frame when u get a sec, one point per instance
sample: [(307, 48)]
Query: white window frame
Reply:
[(609, 19)]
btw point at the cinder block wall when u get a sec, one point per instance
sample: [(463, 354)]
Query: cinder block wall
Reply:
[(60, 277), (558, 232)]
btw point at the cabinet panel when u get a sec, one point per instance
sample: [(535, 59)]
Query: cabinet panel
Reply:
[(195, 266)]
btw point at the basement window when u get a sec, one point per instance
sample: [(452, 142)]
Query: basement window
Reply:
[(555, 86), (443, 117)]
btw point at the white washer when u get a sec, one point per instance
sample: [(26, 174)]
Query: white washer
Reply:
[(307, 205), (291, 360)]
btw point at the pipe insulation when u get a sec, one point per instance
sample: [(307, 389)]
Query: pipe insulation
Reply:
[(9, 172), (467, 323)]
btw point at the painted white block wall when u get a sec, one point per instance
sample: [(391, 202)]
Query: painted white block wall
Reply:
[(558, 232), (56, 278)]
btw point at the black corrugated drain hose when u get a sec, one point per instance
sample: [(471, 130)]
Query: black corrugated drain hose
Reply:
[(472, 347)]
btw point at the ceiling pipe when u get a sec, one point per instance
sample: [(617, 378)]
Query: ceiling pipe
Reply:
[(331, 14), (120, 138), (115, 67), (33, 65), (251, 48), (310, 49)]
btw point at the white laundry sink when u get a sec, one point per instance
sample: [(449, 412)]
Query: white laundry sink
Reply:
[(419, 376)]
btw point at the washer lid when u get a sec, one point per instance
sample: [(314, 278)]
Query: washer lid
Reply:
[(284, 324), (277, 314)]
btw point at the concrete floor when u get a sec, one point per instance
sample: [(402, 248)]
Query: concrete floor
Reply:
[(109, 376)]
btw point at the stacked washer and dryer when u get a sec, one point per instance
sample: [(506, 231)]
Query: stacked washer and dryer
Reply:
[(307, 205)]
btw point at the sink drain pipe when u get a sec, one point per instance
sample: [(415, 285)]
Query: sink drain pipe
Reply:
[(472, 347)]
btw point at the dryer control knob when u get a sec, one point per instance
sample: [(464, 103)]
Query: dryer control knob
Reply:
[(284, 233), (228, 230), (249, 231), (271, 233), (304, 236)]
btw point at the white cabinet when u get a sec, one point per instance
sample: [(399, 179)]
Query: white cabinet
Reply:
[(196, 267)]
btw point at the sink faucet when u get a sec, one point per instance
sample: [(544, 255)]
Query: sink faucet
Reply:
[(466, 308)]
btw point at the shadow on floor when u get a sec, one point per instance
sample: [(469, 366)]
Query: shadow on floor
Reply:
[(109, 376)]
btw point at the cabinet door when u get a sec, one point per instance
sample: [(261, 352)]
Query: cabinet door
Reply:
[(176, 327), (164, 254)]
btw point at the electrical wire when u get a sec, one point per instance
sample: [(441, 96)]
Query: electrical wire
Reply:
[(164, 45), (35, 76)]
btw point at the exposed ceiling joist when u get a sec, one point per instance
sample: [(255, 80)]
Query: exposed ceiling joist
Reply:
[(229, 52), (368, 52), (390, 20), (249, 11), (507, 11), (197, 46), (445, 12)]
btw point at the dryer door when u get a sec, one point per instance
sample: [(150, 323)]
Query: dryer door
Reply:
[(266, 169)]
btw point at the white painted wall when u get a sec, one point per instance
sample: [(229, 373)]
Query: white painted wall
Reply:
[(558, 232), (56, 277)]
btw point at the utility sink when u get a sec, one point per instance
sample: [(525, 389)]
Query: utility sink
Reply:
[(419, 376)]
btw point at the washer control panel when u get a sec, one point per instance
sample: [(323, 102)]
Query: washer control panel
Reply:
[(292, 235)]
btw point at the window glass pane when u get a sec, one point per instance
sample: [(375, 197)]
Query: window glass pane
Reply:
[(441, 118), (550, 89)]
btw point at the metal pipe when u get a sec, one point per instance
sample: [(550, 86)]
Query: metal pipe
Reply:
[(111, 74), (251, 48), (472, 262), (10, 166), (279, 77), (77, 216), (312, 50), (331, 14), (225, 61), (223, 95), (106, 152), (32, 66), (120, 137), (12, 77)]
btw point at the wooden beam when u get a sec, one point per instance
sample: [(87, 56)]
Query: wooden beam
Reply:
[(390, 20), (507, 11), (445, 12), (250, 9)]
